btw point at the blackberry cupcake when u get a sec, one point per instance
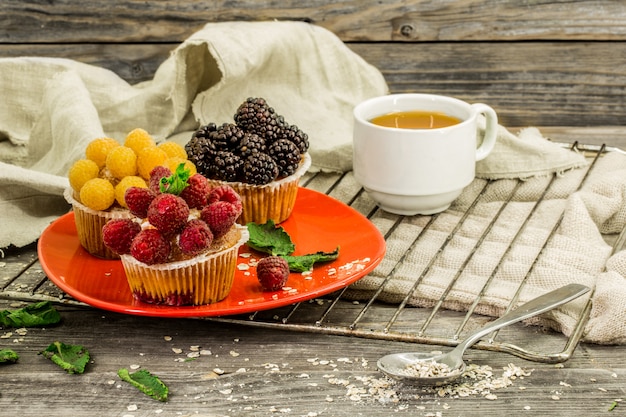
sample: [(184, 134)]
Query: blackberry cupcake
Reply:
[(260, 155)]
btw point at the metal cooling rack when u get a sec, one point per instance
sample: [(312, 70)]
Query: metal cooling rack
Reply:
[(373, 319)]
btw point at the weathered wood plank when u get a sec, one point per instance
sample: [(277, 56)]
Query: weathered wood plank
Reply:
[(535, 83), (70, 21)]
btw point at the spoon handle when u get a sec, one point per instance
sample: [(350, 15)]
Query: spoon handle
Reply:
[(532, 308)]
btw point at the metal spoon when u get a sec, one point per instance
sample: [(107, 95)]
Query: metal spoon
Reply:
[(402, 366)]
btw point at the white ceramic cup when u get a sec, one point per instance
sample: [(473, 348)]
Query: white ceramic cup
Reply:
[(419, 171)]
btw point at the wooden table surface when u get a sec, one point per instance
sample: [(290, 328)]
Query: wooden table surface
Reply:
[(232, 368)]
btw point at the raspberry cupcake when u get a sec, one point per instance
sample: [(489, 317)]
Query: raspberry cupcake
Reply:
[(181, 247), (98, 182), (261, 156)]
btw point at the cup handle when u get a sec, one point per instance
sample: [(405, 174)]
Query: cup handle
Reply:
[(491, 130)]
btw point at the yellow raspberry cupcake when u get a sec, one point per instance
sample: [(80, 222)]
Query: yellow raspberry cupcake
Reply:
[(185, 251), (260, 155), (99, 181)]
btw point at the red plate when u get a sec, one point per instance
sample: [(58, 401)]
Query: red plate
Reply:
[(318, 223)]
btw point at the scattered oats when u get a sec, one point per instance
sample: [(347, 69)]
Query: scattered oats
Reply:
[(233, 353), (526, 407), (193, 355), (218, 371), (194, 348), (22, 332), (241, 371), (559, 365), (592, 379), (614, 375), (245, 254), (491, 396), (111, 382), (602, 389), (241, 303), (446, 406), (6, 335), (345, 360), (565, 384), (303, 376), (356, 303), (243, 267), (274, 296), (522, 388), (324, 362), (332, 271), (135, 366), (329, 399), (226, 391), (159, 411), (556, 397), (312, 384), (132, 407), (307, 273), (205, 352), (320, 302), (177, 351), (312, 414), (311, 360)]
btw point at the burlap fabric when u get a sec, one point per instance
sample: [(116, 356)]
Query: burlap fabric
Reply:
[(52, 108)]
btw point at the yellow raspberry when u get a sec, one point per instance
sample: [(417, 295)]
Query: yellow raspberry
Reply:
[(126, 183), (173, 149), (122, 162), (97, 194), (148, 158), (138, 139), (98, 149), (82, 171), (173, 163)]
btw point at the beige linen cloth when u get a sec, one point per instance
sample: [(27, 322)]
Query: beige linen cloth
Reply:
[(52, 108)]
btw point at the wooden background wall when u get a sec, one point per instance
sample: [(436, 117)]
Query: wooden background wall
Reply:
[(537, 62)]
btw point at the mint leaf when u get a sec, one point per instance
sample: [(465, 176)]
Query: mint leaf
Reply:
[(145, 382), (72, 358), (8, 356), (303, 263), (177, 182), (270, 239), (37, 314)]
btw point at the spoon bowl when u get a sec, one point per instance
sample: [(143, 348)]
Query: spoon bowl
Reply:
[(427, 369)]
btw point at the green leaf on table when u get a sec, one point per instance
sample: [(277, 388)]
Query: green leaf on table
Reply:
[(8, 356), (303, 263), (270, 238), (72, 358), (37, 314), (145, 382)]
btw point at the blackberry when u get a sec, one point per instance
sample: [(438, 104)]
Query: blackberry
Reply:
[(259, 168), (256, 116), (226, 166), (204, 131), (250, 143), (201, 151), (286, 155), (297, 136), (227, 136)]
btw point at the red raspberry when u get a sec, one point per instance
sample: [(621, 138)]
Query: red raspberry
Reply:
[(150, 247), (196, 191), (118, 235), (138, 200), (220, 217), (168, 213), (158, 172), (195, 237), (225, 193), (272, 272)]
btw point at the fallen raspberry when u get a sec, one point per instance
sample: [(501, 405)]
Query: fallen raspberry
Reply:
[(158, 172), (272, 272), (150, 247), (118, 235), (138, 200), (196, 191), (168, 213), (195, 238), (220, 216), (225, 193)]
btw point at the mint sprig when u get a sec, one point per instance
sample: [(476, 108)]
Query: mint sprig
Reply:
[(37, 314), (71, 358), (176, 183), (274, 240), (145, 382)]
